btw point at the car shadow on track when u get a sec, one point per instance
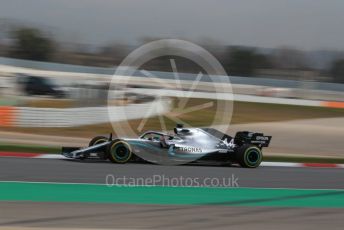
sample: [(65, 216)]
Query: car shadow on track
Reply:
[(208, 164)]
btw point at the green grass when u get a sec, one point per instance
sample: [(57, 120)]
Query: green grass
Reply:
[(248, 112), (50, 103), (243, 112), (304, 159), (28, 148), (4, 101)]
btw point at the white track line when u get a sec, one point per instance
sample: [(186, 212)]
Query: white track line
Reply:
[(281, 164), (50, 156)]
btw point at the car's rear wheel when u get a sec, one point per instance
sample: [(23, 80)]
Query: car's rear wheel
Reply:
[(249, 156), (98, 140), (119, 151)]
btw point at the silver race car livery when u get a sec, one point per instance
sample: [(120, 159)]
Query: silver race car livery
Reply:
[(185, 145)]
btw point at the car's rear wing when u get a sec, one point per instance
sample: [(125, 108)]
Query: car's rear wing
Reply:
[(246, 137)]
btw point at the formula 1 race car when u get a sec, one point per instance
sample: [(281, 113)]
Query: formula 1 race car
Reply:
[(184, 146)]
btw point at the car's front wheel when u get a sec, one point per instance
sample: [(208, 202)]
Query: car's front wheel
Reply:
[(249, 156), (97, 140), (119, 151)]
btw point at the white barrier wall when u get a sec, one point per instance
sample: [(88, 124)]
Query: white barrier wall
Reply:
[(71, 117)]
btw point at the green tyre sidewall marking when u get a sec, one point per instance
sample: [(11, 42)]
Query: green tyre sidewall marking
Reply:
[(97, 140), (246, 154)]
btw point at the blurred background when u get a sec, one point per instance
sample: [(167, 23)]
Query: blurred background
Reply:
[(285, 60)]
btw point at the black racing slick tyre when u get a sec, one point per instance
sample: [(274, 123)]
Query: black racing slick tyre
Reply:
[(98, 140), (119, 152), (249, 156)]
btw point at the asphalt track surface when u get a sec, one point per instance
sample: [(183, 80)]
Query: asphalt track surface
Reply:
[(123, 216), (91, 171), (60, 215)]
